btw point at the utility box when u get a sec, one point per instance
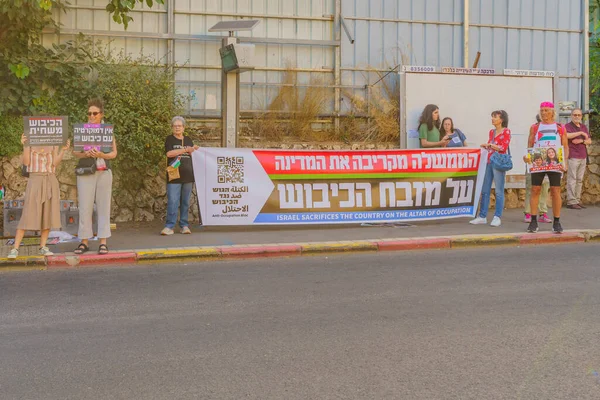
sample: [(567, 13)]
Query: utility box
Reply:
[(69, 217), (70, 221), (11, 220), (237, 57)]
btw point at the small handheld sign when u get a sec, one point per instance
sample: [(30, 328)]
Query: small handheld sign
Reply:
[(46, 131), (92, 136)]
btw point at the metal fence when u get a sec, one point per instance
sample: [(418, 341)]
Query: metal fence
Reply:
[(345, 45)]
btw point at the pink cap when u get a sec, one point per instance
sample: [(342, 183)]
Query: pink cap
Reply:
[(547, 104)]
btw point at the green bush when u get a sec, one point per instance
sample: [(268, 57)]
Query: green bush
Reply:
[(139, 94), (139, 97), (140, 100), (11, 128)]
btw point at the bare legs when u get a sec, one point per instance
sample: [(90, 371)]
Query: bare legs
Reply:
[(21, 233)]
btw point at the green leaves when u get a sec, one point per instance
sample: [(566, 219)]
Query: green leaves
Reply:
[(45, 5), (21, 71), (11, 128), (119, 9), (140, 99)]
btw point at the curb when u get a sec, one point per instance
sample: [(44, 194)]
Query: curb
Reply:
[(175, 253), (147, 256), (255, 251), (413, 244), (22, 261), (551, 238), (72, 260), (488, 240), (331, 247)]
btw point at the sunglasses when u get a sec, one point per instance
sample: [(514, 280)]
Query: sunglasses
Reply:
[(94, 113), (578, 115)]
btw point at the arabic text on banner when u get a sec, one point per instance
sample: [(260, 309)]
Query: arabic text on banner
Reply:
[(245, 186)]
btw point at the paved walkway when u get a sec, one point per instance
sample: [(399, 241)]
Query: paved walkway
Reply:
[(133, 238)]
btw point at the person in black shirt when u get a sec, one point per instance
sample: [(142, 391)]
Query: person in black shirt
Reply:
[(178, 149)]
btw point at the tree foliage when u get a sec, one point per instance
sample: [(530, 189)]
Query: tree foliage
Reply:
[(119, 9), (140, 100), (139, 93), (29, 71)]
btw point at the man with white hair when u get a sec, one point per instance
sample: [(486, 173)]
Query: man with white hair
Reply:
[(180, 181), (547, 133), (579, 137)]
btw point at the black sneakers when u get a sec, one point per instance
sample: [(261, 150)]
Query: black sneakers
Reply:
[(533, 227), (556, 227)]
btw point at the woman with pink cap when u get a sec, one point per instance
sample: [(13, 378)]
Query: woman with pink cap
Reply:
[(547, 133)]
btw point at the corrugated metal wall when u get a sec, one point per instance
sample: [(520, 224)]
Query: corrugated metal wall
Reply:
[(305, 34), (553, 43)]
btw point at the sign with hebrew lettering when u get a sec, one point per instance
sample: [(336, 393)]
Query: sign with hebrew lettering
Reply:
[(92, 136), (246, 186), (46, 131)]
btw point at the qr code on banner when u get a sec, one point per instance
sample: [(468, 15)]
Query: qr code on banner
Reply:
[(230, 169)]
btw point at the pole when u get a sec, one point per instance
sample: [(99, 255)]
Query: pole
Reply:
[(230, 103), (476, 63), (337, 28), (586, 55), (466, 7)]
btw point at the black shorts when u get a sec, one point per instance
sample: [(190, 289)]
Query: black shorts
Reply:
[(538, 177)]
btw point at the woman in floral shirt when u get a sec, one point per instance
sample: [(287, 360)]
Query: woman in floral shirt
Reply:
[(499, 140)]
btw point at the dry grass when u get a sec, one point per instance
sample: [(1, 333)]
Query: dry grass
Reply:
[(295, 111), (378, 113)]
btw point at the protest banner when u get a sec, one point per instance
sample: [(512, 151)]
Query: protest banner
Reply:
[(46, 131), (545, 159), (245, 186), (92, 136)]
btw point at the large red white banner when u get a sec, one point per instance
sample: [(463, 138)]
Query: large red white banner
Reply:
[(245, 186)]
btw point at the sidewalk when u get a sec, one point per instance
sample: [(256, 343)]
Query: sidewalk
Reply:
[(131, 242)]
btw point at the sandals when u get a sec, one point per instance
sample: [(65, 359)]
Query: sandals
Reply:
[(103, 249), (82, 248)]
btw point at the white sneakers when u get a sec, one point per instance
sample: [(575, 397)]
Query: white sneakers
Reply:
[(495, 221), (44, 251), (167, 232), (14, 253), (482, 221), (478, 221)]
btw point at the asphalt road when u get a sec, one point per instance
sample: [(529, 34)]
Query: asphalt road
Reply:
[(491, 323)]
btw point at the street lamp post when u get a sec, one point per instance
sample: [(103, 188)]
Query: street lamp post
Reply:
[(235, 59)]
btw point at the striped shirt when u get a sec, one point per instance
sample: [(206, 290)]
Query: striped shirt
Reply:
[(41, 162)]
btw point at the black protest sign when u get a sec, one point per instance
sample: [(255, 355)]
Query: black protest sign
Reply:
[(46, 131), (92, 136)]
